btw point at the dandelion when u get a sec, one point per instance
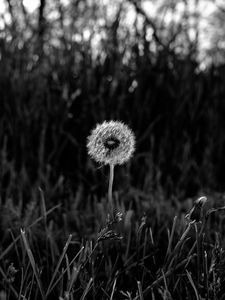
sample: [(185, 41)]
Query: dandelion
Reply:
[(111, 143)]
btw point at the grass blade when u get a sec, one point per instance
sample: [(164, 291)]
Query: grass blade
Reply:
[(113, 289), (59, 263), (140, 290), (87, 289), (33, 264), (171, 237), (3, 254), (192, 284)]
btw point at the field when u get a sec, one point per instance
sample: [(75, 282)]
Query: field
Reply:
[(64, 235)]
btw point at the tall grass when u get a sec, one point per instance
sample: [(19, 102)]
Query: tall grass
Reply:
[(157, 258)]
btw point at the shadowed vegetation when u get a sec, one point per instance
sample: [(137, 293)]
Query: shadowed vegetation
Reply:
[(62, 73)]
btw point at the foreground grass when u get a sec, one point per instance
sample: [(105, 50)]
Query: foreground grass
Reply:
[(156, 255)]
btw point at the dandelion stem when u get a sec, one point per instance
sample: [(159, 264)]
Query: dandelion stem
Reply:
[(111, 176)]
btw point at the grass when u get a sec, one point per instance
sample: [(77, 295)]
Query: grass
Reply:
[(56, 242), (184, 258)]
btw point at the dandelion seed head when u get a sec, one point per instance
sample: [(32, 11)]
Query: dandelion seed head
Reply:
[(111, 142)]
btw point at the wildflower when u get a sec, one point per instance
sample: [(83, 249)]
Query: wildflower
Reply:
[(111, 143)]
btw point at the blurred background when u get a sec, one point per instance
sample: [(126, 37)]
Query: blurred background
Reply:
[(157, 65)]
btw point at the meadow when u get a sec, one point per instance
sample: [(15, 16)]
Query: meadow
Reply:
[(57, 241)]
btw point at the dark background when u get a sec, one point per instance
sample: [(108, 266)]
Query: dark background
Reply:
[(56, 83)]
